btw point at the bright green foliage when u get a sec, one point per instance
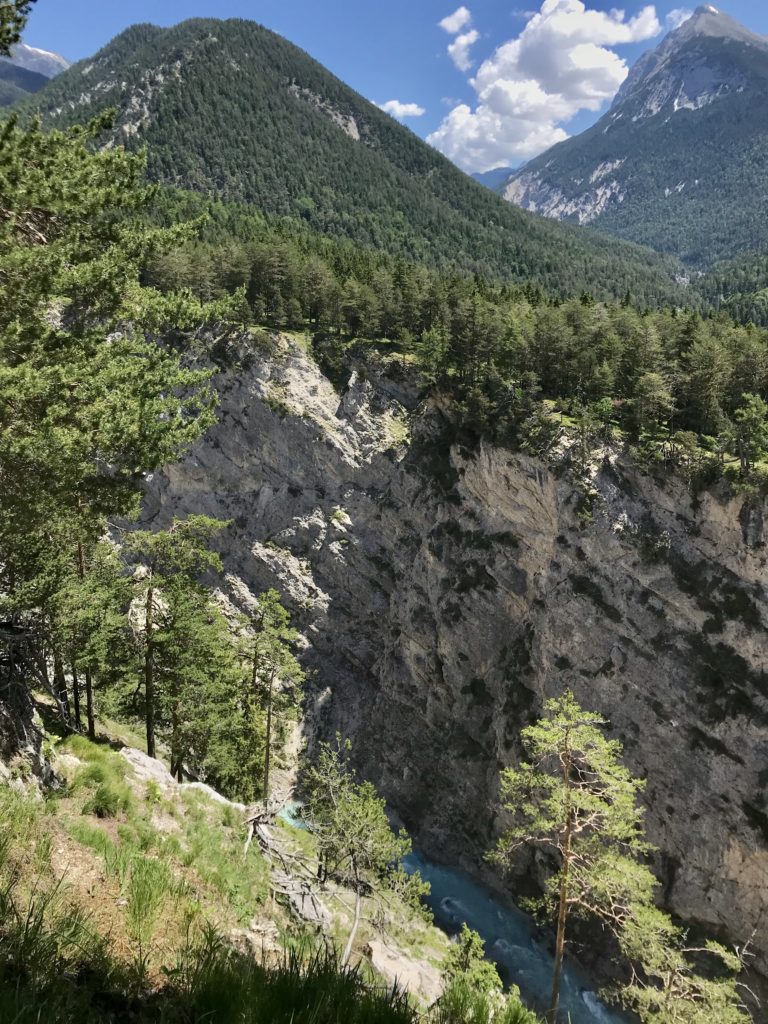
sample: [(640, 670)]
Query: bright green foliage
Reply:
[(356, 844), (673, 983), (652, 402), (461, 1003), (748, 437), (86, 404), (575, 799), (90, 611), (473, 989), (275, 675), (466, 961)]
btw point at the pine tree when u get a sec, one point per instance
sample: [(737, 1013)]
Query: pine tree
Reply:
[(748, 437), (676, 983), (88, 404), (575, 800), (168, 606), (275, 674), (13, 17)]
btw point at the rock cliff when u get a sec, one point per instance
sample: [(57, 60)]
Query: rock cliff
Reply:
[(444, 593)]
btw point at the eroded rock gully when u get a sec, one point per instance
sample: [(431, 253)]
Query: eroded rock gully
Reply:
[(444, 594)]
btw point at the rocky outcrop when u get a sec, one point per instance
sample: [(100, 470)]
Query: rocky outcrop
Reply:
[(678, 137), (443, 594)]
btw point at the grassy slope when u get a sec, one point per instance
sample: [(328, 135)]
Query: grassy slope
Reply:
[(133, 881)]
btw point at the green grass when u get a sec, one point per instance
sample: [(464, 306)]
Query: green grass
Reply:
[(150, 952), (214, 849)]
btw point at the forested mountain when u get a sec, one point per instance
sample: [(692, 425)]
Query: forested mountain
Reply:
[(231, 109), (16, 83), (679, 161), (493, 179)]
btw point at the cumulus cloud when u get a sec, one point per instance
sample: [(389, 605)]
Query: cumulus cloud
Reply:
[(460, 47), (561, 63), (457, 21), (401, 110), (676, 17)]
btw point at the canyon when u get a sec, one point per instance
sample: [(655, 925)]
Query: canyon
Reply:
[(443, 592)]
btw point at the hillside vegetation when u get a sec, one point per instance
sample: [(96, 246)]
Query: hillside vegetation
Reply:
[(678, 162), (230, 109)]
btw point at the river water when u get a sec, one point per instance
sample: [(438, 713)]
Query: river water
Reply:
[(510, 938), (510, 942)]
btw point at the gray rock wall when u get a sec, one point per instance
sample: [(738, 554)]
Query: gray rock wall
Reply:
[(444, 595)]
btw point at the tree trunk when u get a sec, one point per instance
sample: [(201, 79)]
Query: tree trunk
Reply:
[(267, 750), (89, 705), (177, 757), (355, 923), (562, 909), (88, 676), (76, 698), (554, 1003), (60, 682), (149, 680)]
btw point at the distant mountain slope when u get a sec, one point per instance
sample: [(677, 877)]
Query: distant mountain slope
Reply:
[(17, 83), (230, 109), (43, 62), (680, 161), (495, 178)]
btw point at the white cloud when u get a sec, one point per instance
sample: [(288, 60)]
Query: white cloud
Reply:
[(460, 47), (457, 21), (401, 110), (561, 63), (676, 17)]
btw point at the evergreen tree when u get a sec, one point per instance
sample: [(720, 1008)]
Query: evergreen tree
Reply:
[(89, 623), (275, 674), (576, 800), (169, 609), (13, 17), (88, 404), (748, 437), (674, 983)]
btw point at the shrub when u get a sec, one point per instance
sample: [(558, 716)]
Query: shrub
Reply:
[(109, 800)]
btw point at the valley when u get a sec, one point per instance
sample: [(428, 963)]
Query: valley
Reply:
[(383, 589)]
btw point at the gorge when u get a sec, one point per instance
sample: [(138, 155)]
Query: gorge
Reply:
[(444, 593)]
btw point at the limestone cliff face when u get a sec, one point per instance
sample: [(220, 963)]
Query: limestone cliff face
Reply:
[(444, 594)]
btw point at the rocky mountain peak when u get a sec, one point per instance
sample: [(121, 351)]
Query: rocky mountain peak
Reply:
[(692, 66), (708, 20), (690, 117), (43, 62)]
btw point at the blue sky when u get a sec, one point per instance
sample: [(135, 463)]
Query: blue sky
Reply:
[(522, 74)]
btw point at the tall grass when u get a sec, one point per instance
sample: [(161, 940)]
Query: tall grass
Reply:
[(218, 985), (215, 854), (103, 774)]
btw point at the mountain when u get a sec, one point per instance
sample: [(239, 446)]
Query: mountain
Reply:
[(16, 83), (41, 61), (680, 161), (493, 179), (232, 110)]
